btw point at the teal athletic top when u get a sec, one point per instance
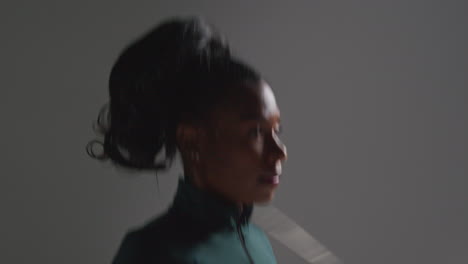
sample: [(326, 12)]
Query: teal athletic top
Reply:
[(198, 228)]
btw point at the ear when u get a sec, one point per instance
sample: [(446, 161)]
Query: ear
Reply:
[(186, 136), (190, 136)]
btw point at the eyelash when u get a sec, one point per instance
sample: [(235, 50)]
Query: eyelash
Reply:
[(256, 131)]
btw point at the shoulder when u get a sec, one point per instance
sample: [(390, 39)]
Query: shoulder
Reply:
[(130, 249), (147, 244), (258, 231), (260, 235)]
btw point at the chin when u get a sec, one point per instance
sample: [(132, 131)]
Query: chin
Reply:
[(265, 199)]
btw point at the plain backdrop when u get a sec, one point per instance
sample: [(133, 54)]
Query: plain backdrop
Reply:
[(373, 98)]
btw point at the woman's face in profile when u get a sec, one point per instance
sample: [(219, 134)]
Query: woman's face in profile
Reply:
[(242, 160)]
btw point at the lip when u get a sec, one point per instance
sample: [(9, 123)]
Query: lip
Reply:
[(270, 174), (269, 179), (267, 176)]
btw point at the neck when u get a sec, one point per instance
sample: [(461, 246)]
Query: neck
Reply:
[(241, 207), (197, 182)]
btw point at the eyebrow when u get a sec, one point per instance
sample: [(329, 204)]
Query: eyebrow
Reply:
[(255, 117), (250, 116)]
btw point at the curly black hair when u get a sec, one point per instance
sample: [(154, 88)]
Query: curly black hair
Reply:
[(176, 72)]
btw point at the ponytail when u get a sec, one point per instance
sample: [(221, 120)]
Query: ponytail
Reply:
[(180, 68)]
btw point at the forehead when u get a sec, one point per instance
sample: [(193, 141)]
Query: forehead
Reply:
[(249, 102)]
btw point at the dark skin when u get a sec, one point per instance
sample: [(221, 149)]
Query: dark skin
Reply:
[(237, 146)]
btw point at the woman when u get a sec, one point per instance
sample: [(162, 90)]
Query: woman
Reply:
[(179, 88)]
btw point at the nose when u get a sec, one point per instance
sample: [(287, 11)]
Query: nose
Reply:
[(284, 153), (278, 151)]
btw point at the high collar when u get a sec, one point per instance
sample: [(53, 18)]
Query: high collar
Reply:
[(208, 208)]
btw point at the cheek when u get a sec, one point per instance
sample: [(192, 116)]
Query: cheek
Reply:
[(249, 152), (253, 151), (237, 163), (236, 154), (257, 147)]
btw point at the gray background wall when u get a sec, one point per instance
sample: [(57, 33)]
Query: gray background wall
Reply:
[(373, 98)]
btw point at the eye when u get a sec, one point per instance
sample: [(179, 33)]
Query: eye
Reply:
[(256, 131), (259, 130)]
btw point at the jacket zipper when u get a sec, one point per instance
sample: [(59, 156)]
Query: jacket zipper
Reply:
[(242, 239)]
